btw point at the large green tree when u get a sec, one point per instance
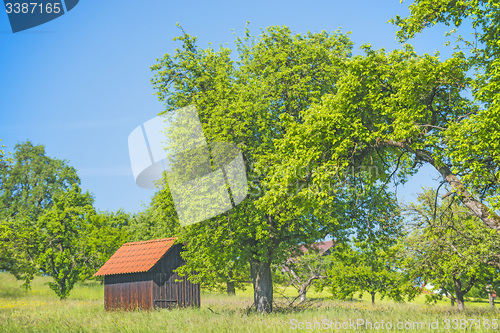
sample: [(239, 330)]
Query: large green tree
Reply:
[(252, 100), (30, 181)]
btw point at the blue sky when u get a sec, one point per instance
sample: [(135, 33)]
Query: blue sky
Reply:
[(81, 83)]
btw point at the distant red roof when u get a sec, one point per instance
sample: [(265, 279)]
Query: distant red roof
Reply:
[(322, 247), (136, 257)]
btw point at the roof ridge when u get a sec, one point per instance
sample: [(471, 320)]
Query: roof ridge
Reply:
[(150, 241)]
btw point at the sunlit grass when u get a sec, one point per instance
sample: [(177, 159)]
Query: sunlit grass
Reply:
[(39, 310)]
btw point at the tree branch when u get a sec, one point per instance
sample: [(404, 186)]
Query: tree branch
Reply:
[(478, 208)]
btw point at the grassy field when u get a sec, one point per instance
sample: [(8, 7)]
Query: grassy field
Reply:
[(38, 310)]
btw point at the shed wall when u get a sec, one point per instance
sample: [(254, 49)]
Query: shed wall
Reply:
[(128, 291), (167, 292)]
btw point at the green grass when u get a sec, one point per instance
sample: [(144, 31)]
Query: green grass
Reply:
[(39, 310)]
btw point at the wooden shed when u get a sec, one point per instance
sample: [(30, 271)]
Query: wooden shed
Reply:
[(140, 275)]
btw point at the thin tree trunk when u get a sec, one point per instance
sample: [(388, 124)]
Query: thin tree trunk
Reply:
[(491, 299), (231, 290), (373, 297), (303, 286), (262, 286), (452, 299), (302, 293)]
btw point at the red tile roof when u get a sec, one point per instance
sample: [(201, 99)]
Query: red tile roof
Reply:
[(136, 257)]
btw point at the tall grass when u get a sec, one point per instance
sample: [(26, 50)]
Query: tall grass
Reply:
[(39, 310)]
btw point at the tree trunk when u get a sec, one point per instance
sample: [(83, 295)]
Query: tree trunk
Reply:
[(373, 297), (262, 286), (460, 302), (491, 299), (452, 301), (230, 288), (459, 293), (302, 293)]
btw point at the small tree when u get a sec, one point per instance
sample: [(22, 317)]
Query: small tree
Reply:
[(449, 247), (64, 237), (302, 269), (368, 266), (29, 181)]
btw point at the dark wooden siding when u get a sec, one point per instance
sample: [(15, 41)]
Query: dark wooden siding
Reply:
[(166, 291), (128, 291)]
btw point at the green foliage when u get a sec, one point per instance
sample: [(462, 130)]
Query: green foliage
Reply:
[(4, 164), (29, 180), (18, 248), (369, 262), (47, 225), (449, 247), (383, 102), (393, 112), (105, 233), (216, 251), (371, 267), (158, 220), (275, 76), (63, 239), (74, 240), (474, 139)]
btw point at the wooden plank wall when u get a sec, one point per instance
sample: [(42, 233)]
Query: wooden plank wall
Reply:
[(168, 293), (128, 291)]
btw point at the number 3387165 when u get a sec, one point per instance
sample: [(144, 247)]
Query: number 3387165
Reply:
[(31, 8)]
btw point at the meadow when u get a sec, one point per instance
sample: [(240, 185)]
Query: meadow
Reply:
[(39, 310)]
